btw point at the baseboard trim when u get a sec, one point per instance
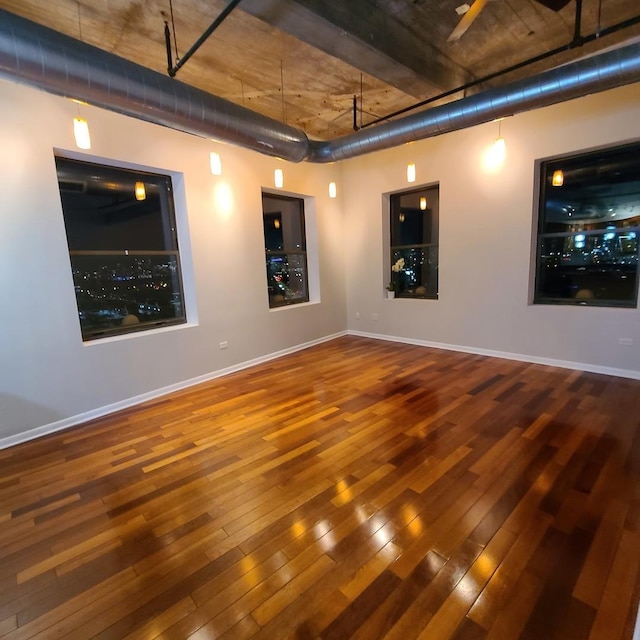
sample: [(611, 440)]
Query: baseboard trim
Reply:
[(66, 423), (551, 362)]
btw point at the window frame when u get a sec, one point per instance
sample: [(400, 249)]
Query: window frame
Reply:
[(583, 296), (395, 250), (169, 223), (301, 252)]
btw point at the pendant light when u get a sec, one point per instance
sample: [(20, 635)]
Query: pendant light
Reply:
[(81, 133), (558, 178), (499, 147), (494, 156), (140, 191), (499, 150), (423, 204), (215, 163)]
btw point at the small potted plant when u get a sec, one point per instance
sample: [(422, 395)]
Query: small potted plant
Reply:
[(392, 286)]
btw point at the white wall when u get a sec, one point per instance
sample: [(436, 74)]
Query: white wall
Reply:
[(49, 379), (486, 226)]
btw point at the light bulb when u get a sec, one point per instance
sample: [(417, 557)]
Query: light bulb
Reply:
[(499, 149), (278, 178), (411, 172), (81, 133), (215, 163), (494, 156), (140, 191), (423, 204), (332, 190), (558, 178)]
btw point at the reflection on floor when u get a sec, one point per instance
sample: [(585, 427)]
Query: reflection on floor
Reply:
[(357, 489)]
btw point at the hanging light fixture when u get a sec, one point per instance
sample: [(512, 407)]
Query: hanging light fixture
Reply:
[(81, 133), (423, 204), (411, 172), (558, 178), (215, 163), (276, 223), (332, 190), (495, 154), (278, 178), (140, 191), (499, 150), (499, 147), (401, 217)]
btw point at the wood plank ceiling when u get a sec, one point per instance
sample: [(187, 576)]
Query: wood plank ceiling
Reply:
[(303, 61)]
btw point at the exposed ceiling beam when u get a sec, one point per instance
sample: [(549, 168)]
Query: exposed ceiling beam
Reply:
[(368, 40)]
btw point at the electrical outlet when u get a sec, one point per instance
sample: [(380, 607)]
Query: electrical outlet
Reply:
[(224, 344), (627, 342)]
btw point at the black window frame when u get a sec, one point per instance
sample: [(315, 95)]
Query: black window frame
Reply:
[(578, 224), (405, 283), (147, 269), (277, 290)]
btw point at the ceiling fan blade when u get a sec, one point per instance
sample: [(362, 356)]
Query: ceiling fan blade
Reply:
[(467, 19), (554, 5)]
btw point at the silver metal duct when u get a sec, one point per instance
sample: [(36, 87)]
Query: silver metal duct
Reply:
[(597, 73), (48, 60), (64, 66)]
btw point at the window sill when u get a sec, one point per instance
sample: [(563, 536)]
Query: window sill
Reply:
[(295, 305), (573, 302), (138, 334)]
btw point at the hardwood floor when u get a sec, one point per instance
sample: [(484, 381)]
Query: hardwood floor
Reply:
[(357, 489)]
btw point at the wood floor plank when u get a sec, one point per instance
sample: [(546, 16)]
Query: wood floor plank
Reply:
[(356, 489), (451, 614), (159, 623), (595, 571), (495, 594), (265, 612), (417, 616), (510, 621), (618, 592)]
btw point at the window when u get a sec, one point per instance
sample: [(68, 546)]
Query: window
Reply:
[(414, 240), (123, 248), (285, 247), (588, 226)]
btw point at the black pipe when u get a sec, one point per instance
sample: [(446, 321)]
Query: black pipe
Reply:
[(212, 27), (167, 39), (577, 39), (543, 56), (355, 114)]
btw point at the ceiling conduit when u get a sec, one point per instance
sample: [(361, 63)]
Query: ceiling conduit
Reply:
[(61, 65), (608, 70), (49, 60)]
